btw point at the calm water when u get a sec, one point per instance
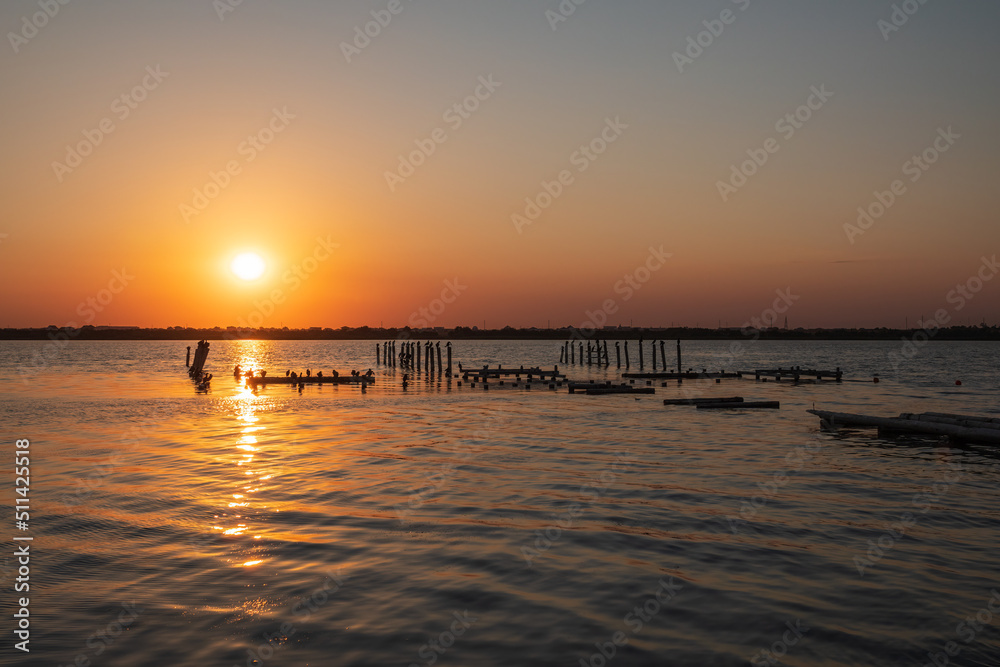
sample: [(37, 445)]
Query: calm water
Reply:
[(334, 527)]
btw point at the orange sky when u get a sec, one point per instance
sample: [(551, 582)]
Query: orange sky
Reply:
[(336, 128)]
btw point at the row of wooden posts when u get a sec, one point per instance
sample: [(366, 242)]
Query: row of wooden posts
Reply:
[(408, 356), (597, 354)]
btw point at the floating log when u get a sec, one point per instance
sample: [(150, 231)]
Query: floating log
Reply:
[(255, 382), (888, 425), (700, 401), (745, 405)]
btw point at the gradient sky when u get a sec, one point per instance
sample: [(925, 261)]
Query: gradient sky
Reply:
[(324, 174)]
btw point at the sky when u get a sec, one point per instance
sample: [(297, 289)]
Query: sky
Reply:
[(630, 162)]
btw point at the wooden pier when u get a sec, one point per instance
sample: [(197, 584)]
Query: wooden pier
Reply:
[(592, 389), (485, 373), (254, 382), (688, 375), (958, 427), (797, 374)]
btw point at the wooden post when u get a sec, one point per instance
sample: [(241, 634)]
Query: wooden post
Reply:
[(652, 349), (377, 362), (439, 357), (628, 362), (618, 353), (641, 363), (663, 354), (418, 356), (581, 354), (572, 353), (589, 353), (679, 357), (187, 362), (449, 358)]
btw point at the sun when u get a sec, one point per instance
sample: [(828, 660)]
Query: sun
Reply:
[(248, 266)]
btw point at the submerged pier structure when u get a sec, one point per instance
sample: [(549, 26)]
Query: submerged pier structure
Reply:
[(797, 374), (961, 428)]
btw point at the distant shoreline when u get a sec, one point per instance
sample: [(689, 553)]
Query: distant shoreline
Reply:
[(967, 333)]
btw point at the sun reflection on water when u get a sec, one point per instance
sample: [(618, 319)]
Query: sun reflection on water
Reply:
[(249, 355)]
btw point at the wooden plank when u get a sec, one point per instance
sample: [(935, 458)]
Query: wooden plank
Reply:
[(598, 391), (699, 401), (746, 405)]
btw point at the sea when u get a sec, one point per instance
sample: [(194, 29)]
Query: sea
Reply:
[(450, 524)]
